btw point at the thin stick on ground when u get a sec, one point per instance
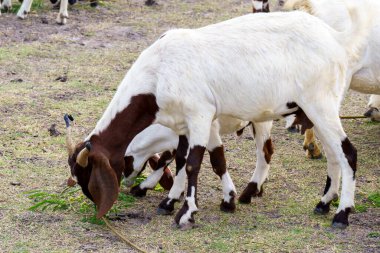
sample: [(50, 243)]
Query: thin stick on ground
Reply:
[(122, 237)]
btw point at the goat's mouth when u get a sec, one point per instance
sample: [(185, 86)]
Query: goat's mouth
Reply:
[(71, 182)]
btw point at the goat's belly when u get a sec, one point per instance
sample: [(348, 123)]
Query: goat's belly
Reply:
[(366, 82)]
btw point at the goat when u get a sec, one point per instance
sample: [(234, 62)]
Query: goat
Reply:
[(189, 77), (366, 72)]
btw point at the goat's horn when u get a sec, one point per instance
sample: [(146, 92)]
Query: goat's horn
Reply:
[(82, 158), (69, 141)]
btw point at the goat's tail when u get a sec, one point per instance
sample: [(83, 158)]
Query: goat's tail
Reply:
[(354, 38)]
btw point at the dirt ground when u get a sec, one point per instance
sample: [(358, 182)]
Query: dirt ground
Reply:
[(47, 70)]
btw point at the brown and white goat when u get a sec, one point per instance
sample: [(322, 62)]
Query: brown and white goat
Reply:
[(189, 77)]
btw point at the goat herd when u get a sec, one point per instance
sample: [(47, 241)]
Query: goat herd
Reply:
[(192, 85)]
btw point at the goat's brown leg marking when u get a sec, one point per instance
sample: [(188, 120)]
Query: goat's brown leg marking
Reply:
[(193, 166), (218, 162)]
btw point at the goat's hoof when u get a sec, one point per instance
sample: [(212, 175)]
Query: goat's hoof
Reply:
[(341, 219), (166, 207), (22, 15), (339, 225), (322, 209), (186, 226), (228, 207), (293, 129), (373, 113), (243, 199), (161, 211), (138, 192), (312, 152), (7, 8), (250, 191)]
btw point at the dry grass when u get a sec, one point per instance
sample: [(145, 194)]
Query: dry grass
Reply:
[(94, 51)]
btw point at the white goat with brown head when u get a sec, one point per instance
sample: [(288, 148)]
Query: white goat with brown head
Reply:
[(189, 77)]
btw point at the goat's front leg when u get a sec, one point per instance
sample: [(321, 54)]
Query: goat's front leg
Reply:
[(218, 162), (199, 126), (185, 216), (24, 9), (166, 206), (264, 151), (63, 14), (152, 180)]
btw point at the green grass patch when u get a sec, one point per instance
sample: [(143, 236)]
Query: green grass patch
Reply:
[(36, 5), (73, 200), (374, 234), (374, 199)]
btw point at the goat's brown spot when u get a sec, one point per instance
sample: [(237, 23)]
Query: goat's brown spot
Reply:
[(351, 154), (268, 150), (180, 156), (128, 161)]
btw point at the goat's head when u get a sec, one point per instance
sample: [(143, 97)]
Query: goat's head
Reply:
[(91, 169)]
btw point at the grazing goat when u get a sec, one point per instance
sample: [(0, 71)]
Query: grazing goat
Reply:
[(366, 70), (189, 77)]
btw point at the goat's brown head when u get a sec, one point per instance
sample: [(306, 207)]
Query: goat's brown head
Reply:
[(91, 168)]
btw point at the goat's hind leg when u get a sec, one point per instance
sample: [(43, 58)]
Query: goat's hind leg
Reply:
[(341, 154), (264, 151)]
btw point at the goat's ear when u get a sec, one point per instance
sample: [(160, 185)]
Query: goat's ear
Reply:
[(103, 185)]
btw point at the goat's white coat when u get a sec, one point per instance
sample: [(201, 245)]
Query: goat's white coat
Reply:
[(198, 75), (366, 71)]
